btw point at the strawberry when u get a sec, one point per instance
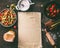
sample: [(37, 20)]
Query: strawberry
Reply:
[(14, 27), (55, 11), (50, 9), (0, 14), (53, 5)]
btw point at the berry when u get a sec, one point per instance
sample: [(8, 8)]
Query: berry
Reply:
[(14, 27)]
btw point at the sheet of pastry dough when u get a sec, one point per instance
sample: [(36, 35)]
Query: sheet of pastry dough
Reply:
[(29, 30)]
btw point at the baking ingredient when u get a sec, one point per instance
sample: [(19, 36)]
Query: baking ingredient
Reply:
[(49, 23), (9, 36)]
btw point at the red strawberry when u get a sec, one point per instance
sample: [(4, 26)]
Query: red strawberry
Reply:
[(0, 14), (55, 10), (50, 9), (14, 27), (53, 5)]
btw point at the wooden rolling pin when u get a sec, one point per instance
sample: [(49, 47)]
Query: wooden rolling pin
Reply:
[(49, 37)]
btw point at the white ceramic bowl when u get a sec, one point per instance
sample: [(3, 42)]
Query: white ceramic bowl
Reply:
[(23, 5)]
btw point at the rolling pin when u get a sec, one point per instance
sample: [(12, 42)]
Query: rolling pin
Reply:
[(50, 39)]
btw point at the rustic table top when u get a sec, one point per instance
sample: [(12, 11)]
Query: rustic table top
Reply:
[(37, 7)]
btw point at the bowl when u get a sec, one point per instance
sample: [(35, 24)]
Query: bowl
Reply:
[(23, 5), (52, 10), (8, 18)]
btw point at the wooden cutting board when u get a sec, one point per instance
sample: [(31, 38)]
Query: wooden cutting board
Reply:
[(29, 30)]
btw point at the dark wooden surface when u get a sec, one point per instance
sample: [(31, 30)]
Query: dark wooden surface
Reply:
[(34, 8), (4, 44)]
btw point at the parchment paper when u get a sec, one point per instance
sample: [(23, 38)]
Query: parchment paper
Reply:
[(29, 30)]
